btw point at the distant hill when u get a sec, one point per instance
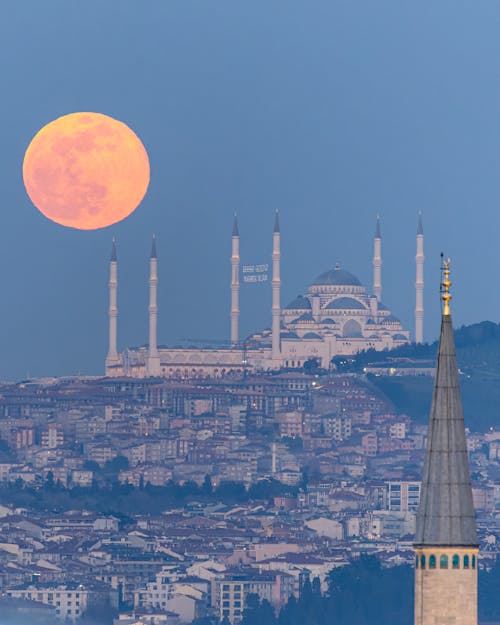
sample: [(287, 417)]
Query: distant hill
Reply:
[(478, 356)]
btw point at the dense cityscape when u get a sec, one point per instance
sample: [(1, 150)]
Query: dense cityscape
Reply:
[(176, 500)]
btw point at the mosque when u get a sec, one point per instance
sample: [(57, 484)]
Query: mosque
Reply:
[(336, 316)]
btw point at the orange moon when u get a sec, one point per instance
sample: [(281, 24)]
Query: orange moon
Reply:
[(86, 171)]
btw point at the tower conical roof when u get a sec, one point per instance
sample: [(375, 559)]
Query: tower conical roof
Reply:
[(153, 248), (420, 228), (113, 251), (276, 221), (446, 514), (236, 232), (378, 234)]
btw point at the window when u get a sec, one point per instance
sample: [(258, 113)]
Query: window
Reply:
[(455, 562), (473, 562), (432, 562), (422, 562), (237, 587), (225, 587), (443, 562), (225, 604), (466, 562), (416, 562)]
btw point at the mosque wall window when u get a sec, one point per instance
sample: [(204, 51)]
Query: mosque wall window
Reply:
[(455, 562), (422, 562), (416, 562), (443, 563), (432, 562), (473, 562), (466, 562)]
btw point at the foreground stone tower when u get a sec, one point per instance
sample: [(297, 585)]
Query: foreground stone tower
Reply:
[(446, 545)]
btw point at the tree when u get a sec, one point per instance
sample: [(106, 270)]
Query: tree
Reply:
[(207, 488)]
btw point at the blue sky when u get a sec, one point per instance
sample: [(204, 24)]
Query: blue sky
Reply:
[(330, 111)]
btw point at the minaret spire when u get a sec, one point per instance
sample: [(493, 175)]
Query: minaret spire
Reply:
[(153, 358), (377, 262), (446, 544), (419, 283), (112, 359), (276, 288), (235, 282)]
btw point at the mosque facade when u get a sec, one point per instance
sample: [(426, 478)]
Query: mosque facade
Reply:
[(336, 316)]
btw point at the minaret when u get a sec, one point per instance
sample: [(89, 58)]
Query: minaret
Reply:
[(276, 287), (419, 283), (153, 361), (377, 262), (112, 358), (446, 544), (235, 283)]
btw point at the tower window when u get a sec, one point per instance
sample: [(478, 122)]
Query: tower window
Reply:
[(473, 562), (443, 562), (455, 562), (422, 562), (416, 562), (466, 562), (432, 562)]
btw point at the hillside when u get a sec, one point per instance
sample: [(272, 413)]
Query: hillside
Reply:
[(478, 356)]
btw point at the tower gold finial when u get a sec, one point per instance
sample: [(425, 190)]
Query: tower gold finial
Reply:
[(446, 284)]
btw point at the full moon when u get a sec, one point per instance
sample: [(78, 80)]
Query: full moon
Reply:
[(86, 171)]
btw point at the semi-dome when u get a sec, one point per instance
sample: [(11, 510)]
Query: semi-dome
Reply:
[(304, 317), (311, 335), (390, 319), (299, 303), (337, 277), (346, 303)]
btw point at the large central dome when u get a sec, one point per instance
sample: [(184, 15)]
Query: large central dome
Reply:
[(337, 277)]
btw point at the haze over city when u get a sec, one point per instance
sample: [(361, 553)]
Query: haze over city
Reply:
[(331, 113)]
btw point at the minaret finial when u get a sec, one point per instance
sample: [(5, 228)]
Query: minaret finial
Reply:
[(420, 228), (153, 247), (445, 286), (113, 251), (378, 234), (276, 221), (236, 232)]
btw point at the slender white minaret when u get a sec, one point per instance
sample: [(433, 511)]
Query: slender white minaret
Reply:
[(112, 358), (153, 362), (419, 283), (276, 287), (377, 262), (235, 283)]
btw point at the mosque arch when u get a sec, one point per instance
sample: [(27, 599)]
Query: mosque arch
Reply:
[(455, 561), (352, 329), (432, 561), (443, 563)]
